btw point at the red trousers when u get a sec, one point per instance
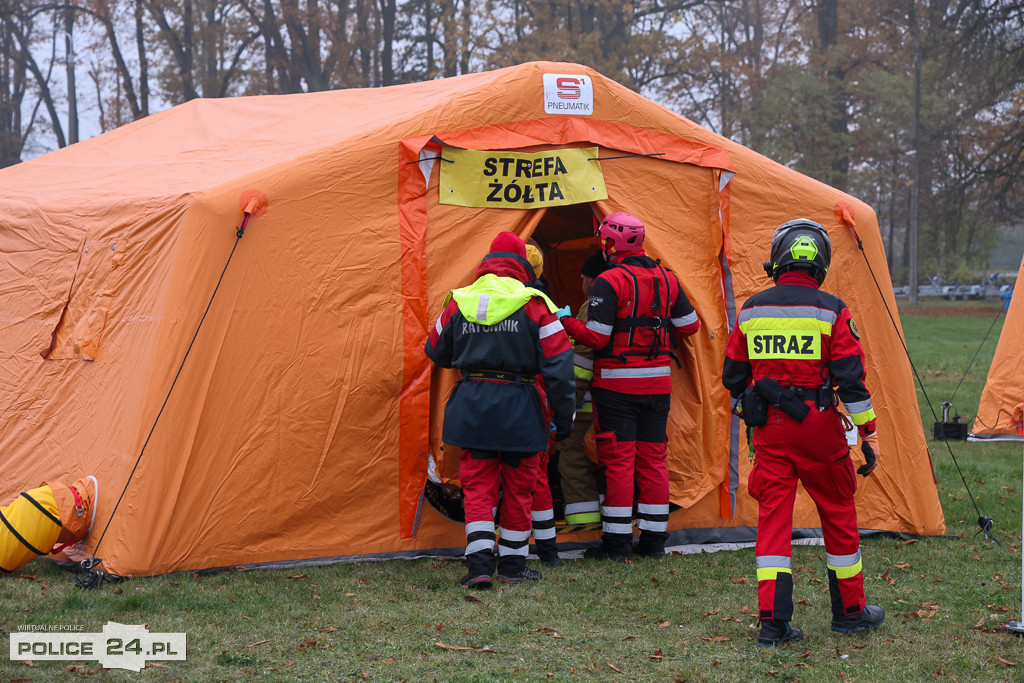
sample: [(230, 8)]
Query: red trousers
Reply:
[(482, 472), (542, 511), (813, 452), (630, 431)]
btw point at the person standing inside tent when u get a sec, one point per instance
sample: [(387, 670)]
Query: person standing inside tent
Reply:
[(578, 473), (501, 335), (637, 309), (542, 512), (792, 349)]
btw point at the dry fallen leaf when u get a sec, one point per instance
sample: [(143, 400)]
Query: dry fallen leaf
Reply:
[(1006, 661), (709, 614), (665, 624), (469, 632), (473, 598), (804, 655), (298, 576), (612, 666), (446, 646), (714, 639), (259, 642), (741, 579)]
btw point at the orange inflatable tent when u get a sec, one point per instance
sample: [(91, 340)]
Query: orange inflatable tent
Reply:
[(1002, 400), (305, 421)]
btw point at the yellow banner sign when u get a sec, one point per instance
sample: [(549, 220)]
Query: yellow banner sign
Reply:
[(520, 180)]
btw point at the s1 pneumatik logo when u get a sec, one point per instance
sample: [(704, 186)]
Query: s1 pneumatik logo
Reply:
[(568, 94), (120, 646)]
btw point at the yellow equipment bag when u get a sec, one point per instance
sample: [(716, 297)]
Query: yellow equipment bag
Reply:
[(42, 517)]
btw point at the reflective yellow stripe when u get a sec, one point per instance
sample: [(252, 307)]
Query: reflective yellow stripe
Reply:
[(771, 573), (847, 572), (863, 418), (582, 373), (583, 518), (755, 324)]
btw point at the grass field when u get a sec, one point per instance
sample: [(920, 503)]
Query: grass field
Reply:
[(686, 618)]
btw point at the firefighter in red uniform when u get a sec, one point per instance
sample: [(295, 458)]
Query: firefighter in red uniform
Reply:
[(501, 335), (793, 349), (637, 309)]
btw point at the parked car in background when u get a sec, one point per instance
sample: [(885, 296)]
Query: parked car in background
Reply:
[(963, 292), (976, 292)]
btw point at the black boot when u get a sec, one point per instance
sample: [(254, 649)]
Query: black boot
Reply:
[(651, 544), (777, 632), (547, 553), (513, 569), (479, 569), (616, 547), (871, 616)]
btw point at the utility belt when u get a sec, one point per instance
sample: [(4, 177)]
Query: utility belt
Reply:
[(790, 400), (499, 376)]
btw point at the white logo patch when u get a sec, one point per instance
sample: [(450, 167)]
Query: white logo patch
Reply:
[(568, 94), (596, 301)]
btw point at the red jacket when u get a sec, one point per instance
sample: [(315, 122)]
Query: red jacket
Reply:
[(637, 311), (802, 337)]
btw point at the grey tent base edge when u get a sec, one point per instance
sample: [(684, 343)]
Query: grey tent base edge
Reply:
[(994, 437), (682, 541)]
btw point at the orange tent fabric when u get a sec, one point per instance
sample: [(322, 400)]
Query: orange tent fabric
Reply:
[(1002, 400), (304, 422)]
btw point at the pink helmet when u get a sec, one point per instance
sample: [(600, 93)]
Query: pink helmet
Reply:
[(621, 232)]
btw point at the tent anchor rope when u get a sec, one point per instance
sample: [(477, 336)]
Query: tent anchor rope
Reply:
[(984, 522), (971, 364), (92, 576)]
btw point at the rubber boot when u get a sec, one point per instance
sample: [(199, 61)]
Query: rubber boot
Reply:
[(872, 616), (776, 632), (616, 547), (651, 544), (547, 552)]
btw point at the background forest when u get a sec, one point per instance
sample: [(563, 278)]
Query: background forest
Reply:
[(880, 98)]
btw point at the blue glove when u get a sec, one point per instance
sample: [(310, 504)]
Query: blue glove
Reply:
[(562, 312)]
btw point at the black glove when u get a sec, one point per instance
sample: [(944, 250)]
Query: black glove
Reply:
[(869, 444)]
